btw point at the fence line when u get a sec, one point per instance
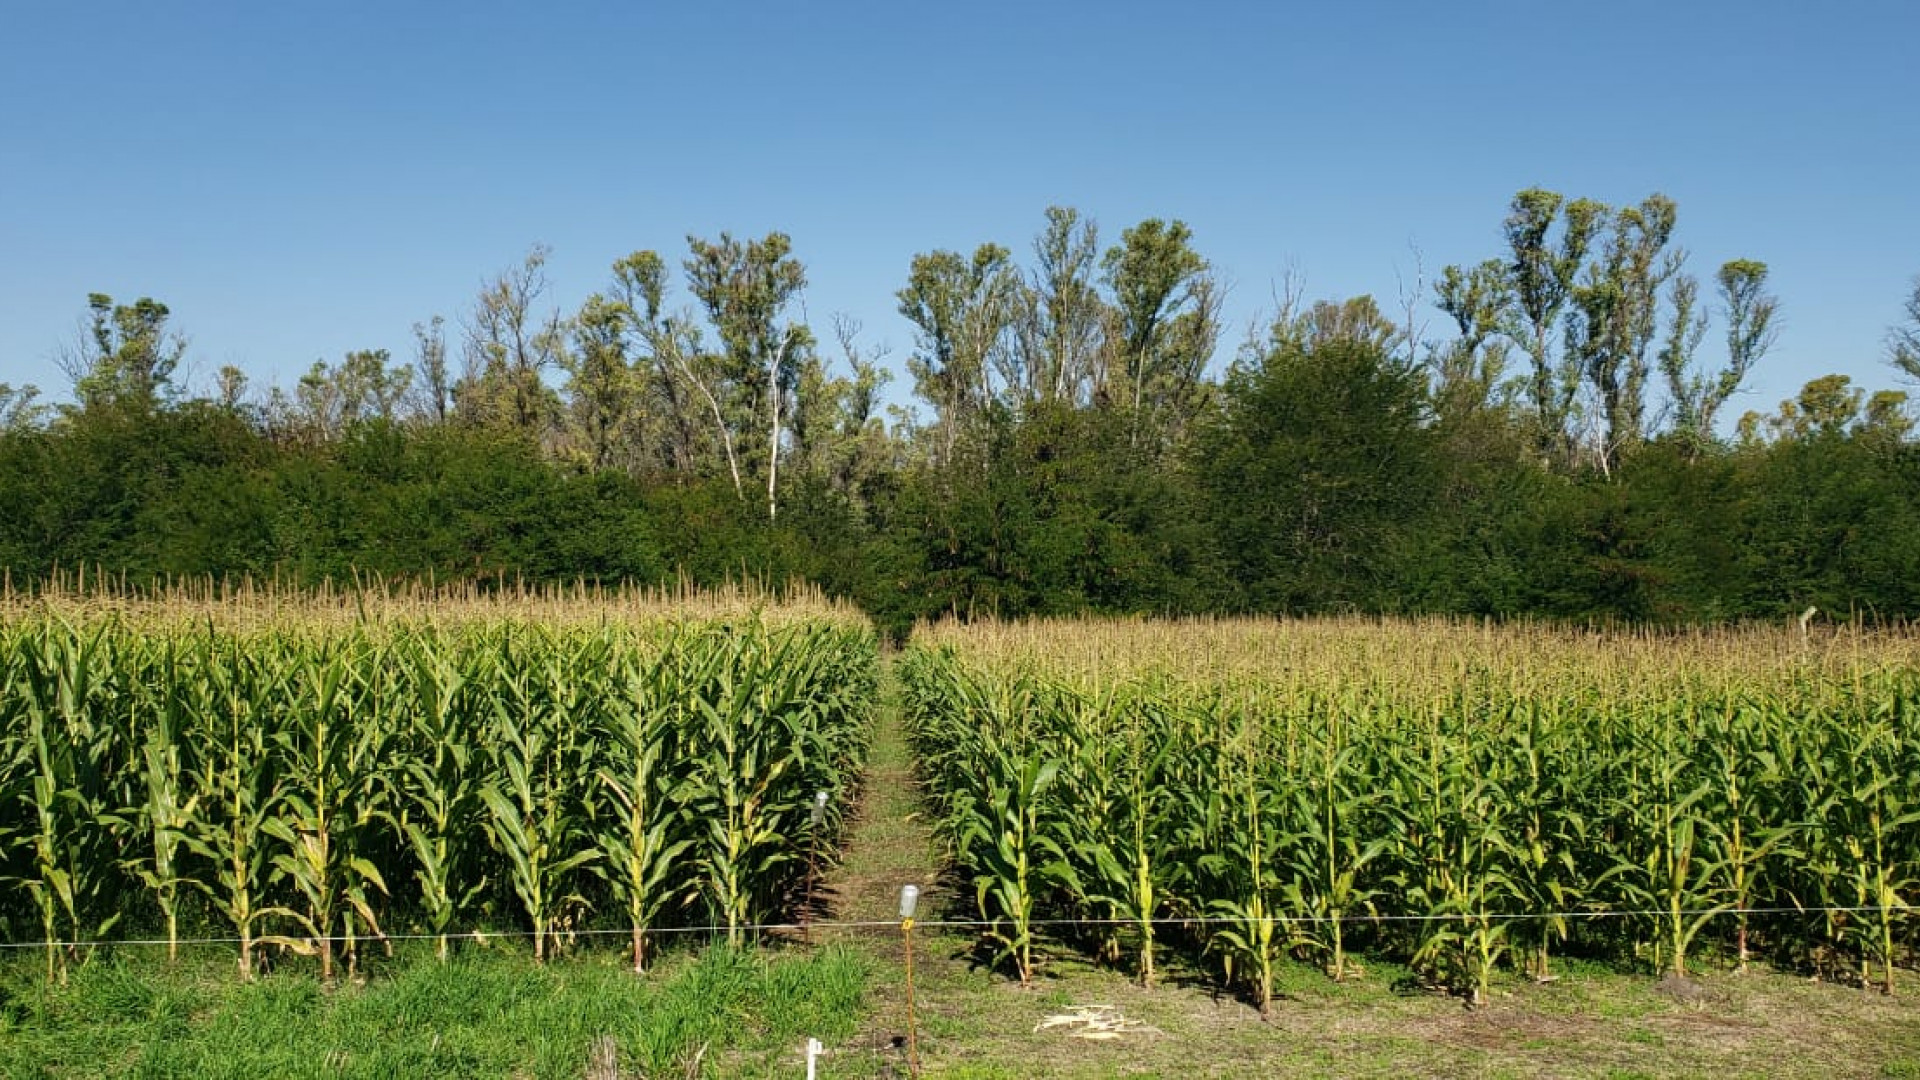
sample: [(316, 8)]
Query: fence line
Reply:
[(961, 924)]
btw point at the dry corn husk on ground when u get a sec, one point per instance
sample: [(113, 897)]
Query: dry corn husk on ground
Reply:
[(1097, 1023)]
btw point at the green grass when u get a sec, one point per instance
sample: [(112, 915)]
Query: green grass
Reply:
[(1596, 1024), (485, 1014)]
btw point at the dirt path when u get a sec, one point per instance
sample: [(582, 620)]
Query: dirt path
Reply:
[(889, 846)]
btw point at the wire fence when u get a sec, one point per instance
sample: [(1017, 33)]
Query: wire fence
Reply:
[(717, 929)]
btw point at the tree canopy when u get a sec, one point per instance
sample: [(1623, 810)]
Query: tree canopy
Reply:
[(1557, 452)]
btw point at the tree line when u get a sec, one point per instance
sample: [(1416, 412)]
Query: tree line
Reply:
[(1556, 450)]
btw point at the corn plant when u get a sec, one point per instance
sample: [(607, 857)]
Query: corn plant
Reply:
[(1457, 860), (733, 790), (1667, 858), (1091, 776), (1017, 855), (436, 799), (643, 841), (535, 821), (68, 747), (15, 771), (1132, 844), (1544, 781), (164, 814), (1329, 840), (996, 809), (1863, 833), (237, 794), (1253, 930), (1752, 830), (330, 758)]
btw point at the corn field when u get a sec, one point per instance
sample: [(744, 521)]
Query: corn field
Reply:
[(316, 775), (1469, 801)]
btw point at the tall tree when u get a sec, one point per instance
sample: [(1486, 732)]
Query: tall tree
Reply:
[(839, 438), (600, 384), (1166, 321), (432, 396), (18, 409), (1887, 418), (1825, 407), (745, 287), (1060, 318), (1750, 311), (1467, 373), (509, 347), (1544, 272), (1614, 316), (1356, 320), (1316, 471), (329, 399), (1903, 341), (961, 309), (674, 373), (1687, 388), (129, 354), (230, 388)]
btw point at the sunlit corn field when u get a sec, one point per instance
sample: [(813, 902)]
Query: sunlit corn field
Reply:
[(312, 775), (1473, 802)]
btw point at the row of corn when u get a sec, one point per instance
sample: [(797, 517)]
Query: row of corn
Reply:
[(1465, 800), (317, 785)]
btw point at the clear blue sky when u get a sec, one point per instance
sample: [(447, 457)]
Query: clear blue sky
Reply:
[(300, 180)]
